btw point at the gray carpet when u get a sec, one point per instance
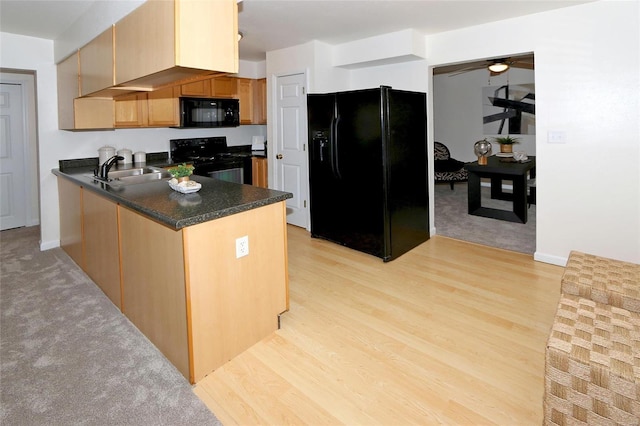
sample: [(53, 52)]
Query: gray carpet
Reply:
[(67, 354), (452, 220)]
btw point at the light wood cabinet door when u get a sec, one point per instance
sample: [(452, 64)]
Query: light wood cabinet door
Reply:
[(153, 285), (260, 101), (101, 247), (235, 302), (259, 172), (163, 107), (224, 87), (70, 199), (145, 41), (200, 88), (161, 35), (97, 64), (245, 96), (76, 113), (131, 110)]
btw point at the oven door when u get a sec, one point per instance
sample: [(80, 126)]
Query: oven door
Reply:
[(230, 175), (235, 170)]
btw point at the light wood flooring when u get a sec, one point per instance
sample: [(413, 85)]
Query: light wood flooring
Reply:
[(449, 333)]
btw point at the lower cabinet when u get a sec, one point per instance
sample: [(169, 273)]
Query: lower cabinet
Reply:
[(153, 285), (189, 294), (186, 290), (70, 199), (234, 302), (102, 254), (259, 170), (89, 235)]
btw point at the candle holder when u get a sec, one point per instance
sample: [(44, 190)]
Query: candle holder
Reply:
[(482, 149)]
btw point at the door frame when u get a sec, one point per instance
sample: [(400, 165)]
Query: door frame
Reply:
[(272, 130), (27, 81)]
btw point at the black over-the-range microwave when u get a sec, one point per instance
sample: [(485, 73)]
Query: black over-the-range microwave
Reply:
[(206, 112)]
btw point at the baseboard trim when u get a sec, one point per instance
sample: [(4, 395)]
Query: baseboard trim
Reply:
[(547, 258), (48, 245)]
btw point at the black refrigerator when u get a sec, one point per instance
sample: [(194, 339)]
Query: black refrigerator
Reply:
[(368, 169)]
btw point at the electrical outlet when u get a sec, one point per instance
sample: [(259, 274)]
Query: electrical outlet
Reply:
[(242, 246)]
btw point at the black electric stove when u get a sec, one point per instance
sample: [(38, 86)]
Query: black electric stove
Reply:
[(211, 157)]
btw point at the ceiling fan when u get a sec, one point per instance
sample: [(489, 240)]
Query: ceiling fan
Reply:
[(494, 66)]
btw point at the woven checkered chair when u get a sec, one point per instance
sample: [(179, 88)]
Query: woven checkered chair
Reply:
[(447, 169), (603, 280), (592, 365), (592, 362)]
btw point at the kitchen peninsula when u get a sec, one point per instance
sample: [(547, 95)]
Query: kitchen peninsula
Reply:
[(171, 262)]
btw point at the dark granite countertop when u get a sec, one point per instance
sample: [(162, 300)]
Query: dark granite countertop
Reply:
[(159, 202)]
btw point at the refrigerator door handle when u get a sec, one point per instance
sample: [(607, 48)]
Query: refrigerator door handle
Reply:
[(335, 164)]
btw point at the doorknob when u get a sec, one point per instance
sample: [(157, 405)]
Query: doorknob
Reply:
[(279, 156)]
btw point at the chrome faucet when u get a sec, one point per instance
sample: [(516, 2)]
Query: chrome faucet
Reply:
[(102, 171)]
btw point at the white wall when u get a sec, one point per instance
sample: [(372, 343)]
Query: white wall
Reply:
[(457, 111), (405, 76), (587, 84)]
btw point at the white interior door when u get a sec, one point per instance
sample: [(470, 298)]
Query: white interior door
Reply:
[(290, 163), (13, 213)]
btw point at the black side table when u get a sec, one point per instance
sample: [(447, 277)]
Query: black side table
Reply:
[(499, 169)]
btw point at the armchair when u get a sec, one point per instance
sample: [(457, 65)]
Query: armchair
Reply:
[(447, 169)]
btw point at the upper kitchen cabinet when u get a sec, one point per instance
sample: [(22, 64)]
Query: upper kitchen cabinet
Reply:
[(131, 110), (163, 109), (260, 101), (252, 96), (200, 88), (216, 87), (167, 41), (75, 113), (96, 64), (224, 87), (245, 95)]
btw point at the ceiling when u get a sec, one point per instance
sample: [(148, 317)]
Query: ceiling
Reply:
[(273, 24)]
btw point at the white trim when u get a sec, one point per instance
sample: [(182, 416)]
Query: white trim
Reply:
[(48, 245), (548, 258)]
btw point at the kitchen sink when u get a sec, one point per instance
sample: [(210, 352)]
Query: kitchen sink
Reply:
[(138, 171), (147, 177), (134, 176)]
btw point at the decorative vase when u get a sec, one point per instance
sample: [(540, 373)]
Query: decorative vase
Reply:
[(482, 149), (183, 179), (506, 147)]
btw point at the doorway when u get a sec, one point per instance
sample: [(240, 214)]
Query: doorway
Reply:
[(458, 122), (18, 145)]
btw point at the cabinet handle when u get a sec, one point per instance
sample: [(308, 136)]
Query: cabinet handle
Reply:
[(279, 156)]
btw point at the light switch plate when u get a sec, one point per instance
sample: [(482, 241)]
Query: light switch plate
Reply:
[(556, 136)]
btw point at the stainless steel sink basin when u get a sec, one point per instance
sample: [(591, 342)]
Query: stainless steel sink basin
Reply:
[(147, 177), (138, 171), (134, 176)]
